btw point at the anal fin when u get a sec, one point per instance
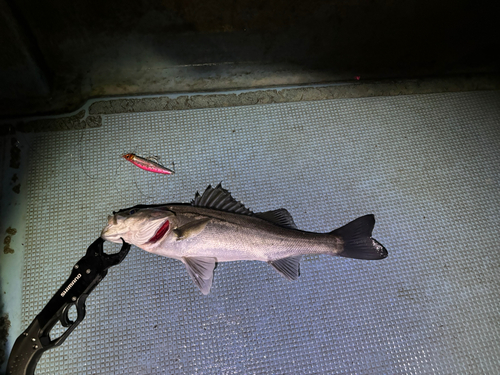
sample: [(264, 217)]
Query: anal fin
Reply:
[(288, 267), (201, 270)]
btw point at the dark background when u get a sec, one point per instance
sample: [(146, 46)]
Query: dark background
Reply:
[(56, 54)]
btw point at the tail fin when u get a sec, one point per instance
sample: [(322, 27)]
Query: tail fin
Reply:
[(358, 242)]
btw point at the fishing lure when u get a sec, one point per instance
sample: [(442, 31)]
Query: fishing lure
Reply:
[(147, 165)]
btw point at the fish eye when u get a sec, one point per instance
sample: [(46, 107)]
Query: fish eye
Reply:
[(132, 211)]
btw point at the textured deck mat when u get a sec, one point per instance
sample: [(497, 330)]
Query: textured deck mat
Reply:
[(427, 166)]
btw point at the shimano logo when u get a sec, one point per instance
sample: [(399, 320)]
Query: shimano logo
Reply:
[(70, 285)]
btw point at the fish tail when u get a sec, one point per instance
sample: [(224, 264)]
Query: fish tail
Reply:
[(357, 240)]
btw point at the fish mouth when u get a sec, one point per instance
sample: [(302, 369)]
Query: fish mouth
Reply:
[(110, 237), (160, 232), (104, 234)]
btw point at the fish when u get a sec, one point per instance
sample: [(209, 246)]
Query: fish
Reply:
[(215, 228), (147, 165)]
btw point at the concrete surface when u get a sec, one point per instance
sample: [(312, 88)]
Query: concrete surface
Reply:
[(99, 49), (90, 114)]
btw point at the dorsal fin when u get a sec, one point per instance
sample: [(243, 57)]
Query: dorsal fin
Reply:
[(219, 198), (279, 217)]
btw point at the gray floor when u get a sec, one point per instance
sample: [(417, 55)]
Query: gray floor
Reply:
[(427, 166)]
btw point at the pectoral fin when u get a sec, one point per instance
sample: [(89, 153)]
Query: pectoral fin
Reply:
[(191, 229), (288, 267), (201, 270)]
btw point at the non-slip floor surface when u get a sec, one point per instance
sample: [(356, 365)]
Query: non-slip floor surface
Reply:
[(427, 166)]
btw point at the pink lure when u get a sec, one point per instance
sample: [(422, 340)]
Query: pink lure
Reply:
[(147, 165)]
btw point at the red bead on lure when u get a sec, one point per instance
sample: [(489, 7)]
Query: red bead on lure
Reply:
[(147, 165)]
